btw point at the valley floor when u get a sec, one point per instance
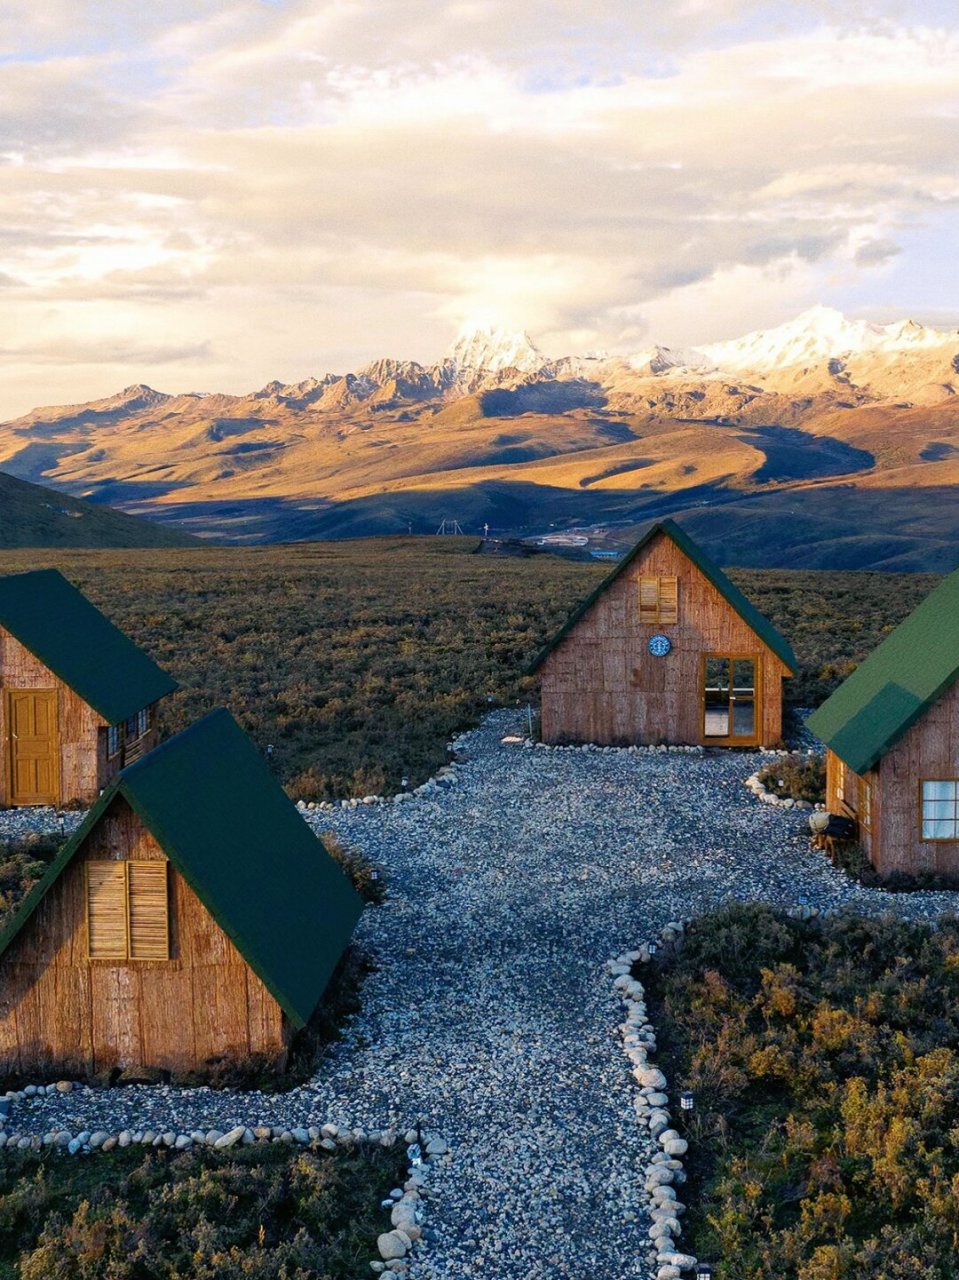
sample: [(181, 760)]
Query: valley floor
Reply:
[(491, 1016)]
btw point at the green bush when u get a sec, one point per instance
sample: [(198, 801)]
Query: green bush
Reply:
[(824, 1057), (801, 776), (365, 877), (258, 1213), (23, 861)]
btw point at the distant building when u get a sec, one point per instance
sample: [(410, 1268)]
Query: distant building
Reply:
[(665, 650), (892, 733), (193, 916), (77, 697)]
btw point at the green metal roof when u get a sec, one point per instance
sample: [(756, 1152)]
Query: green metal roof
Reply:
[(734, 597), (225, 823), (891, 689), (59, 625)]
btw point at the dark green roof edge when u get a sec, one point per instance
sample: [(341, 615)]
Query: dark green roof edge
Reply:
[(850, 722), (733, 596), (242, 945), (80, 645)]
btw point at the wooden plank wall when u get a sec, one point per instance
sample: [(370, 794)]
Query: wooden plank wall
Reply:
[(60, 1010), (83, 763), (602, 685), (930, 750), (847, 799)]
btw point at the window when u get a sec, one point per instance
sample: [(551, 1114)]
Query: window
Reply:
[(131, 728), (127, 910), (659, 600), (143, 721), (939, 810), (839, 784), (113, 740), (865, 804)]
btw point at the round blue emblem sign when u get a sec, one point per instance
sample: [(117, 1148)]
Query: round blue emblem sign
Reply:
[(659, 646)]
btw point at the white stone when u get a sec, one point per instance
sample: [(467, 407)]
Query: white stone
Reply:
[(229, 1139), (391, 1245)]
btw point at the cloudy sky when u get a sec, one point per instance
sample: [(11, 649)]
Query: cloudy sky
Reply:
[(204, 195)]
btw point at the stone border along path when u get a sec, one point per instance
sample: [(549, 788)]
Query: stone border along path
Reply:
[(491, 1016)]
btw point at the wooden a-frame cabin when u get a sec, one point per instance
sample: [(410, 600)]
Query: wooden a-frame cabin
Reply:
[(665, 650), (77, 697), (194, 916), (891, 731)]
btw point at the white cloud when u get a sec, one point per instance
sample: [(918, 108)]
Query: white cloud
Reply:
[(276, 182)]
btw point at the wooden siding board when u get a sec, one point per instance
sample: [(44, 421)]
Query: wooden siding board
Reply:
[(601, 684), (930, 750)]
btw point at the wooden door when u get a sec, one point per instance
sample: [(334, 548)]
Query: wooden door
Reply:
[(731, 700), (33, 773)]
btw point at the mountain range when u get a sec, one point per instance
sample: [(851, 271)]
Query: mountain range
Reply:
[(824, 442)]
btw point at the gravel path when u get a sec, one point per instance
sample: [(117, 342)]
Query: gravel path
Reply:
[(491, 1017)]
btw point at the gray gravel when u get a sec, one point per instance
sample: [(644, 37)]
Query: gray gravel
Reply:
[(491, 1016)]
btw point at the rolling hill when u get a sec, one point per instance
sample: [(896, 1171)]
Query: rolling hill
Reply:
[(32, 516), (824, 442)]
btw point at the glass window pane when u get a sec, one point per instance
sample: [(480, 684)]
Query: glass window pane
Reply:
[(717, 694), (939, 829), (744, 698), (939, 809), (945, 790)]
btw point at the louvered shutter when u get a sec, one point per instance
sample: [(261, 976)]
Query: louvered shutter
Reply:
[(106, 911), (669, 600), (149, 921), (649, 599)]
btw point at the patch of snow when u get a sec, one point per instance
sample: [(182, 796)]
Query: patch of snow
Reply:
[(817, 335), (494, 348)]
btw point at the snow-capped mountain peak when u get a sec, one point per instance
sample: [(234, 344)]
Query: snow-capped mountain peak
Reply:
[(493, 348), (819, 334), (660, 359)]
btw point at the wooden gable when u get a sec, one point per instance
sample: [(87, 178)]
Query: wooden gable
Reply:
[(170, 997), (600, 682)]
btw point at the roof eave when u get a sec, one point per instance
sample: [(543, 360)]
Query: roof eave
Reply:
[(235, 935)]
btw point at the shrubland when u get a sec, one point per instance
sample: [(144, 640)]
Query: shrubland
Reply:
[(824, 1060), (252, 1213), (357, 660)]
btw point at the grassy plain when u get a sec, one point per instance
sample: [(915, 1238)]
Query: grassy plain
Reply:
[(824, 1060), (358, 660)]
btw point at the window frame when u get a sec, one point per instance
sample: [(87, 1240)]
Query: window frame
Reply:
[(839, 782), (952, 839), (143, 722), (128, 956), (864, 799), (114, 738)]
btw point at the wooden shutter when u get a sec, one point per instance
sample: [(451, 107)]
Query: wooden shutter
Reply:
[(649, 599), (669, 599), (106, 911), (149, 921)]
